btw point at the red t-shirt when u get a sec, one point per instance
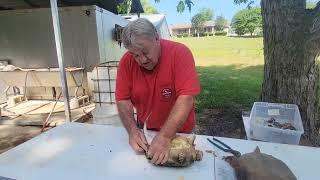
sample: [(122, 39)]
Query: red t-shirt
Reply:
[(156, 91)]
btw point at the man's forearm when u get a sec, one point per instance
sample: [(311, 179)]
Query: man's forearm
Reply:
[(125, 109), (177, 116)]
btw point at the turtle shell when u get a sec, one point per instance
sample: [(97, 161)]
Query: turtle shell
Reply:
[(259, 166), (182, 152)]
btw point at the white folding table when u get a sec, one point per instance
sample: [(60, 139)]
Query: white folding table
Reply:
[(85, 151)]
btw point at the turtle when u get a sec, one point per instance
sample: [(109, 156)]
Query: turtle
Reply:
[(182, 151), (259, 166)]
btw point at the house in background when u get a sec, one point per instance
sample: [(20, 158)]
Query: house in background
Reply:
[(186, 28), (226, 28), (209, 26)]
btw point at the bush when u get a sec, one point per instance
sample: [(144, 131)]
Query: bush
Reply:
[(202, 34), (220, 33), (179, 35), (208, 33), (182, 35), (259, 33), (185, 35)]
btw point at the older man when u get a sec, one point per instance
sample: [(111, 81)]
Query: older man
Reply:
[(158, 78)]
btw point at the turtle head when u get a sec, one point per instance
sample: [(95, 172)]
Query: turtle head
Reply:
[(257, 150), (191, 139)]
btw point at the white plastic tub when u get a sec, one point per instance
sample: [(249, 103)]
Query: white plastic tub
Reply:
[(283, 113)]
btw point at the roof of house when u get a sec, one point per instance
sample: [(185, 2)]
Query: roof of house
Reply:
[(189, 25), (181, 26), (110, 5), (209, 23)]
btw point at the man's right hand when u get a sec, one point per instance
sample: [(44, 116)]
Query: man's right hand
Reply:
[(138, 141)]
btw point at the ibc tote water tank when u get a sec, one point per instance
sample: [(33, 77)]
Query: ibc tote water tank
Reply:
[(104, 82)]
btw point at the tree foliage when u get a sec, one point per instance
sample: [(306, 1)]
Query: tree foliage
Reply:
[(124, 7), (206, 13), (220, 23), (311, 5), (241, 1), (182, 5), (247, 21), (198, 20), (148, 8)]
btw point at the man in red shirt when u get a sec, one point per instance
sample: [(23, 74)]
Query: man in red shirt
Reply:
[(158, 78)]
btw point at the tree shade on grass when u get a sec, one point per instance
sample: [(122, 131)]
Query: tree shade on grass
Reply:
[(230, 71)]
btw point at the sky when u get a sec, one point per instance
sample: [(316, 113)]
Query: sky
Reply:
[(227, 8)]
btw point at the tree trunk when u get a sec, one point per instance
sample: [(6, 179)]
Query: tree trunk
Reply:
[(291, 46)]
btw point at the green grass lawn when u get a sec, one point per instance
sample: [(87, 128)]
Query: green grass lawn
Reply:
[(230, 70)]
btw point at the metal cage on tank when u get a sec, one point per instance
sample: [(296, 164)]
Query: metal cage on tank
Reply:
[(104, 83)]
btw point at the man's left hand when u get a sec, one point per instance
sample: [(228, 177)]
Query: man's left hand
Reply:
[(159, 149)]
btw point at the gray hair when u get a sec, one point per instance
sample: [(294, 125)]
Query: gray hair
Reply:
[(140, 28)]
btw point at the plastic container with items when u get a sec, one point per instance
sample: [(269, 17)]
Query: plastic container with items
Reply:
[(273, 122)]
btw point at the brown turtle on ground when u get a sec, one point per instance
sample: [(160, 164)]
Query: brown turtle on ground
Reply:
[(259, 166)]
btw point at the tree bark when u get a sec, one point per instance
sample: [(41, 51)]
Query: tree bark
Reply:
[(291, 47)]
